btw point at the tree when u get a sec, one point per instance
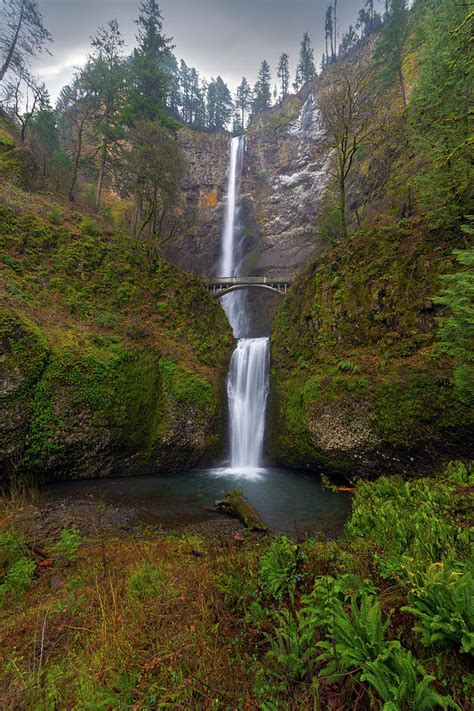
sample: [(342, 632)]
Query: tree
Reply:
[(346, 115), (75, 108), (219, 104), (305, 71), (154, 163), (348, 41), (283, 74), (389, 51), (22, 34), (262, 92), (329, 33), (243, 102), (148, 77), (104, 78), (23, 97), (44, 137)]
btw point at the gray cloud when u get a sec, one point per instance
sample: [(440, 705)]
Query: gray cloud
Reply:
[(226, 37)]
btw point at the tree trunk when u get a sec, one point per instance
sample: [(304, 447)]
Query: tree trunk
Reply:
[(100, 179), (342, 206), (237, 505), (402, 86), (12, 47), (77, 160)]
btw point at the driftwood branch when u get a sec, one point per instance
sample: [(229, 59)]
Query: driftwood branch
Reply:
[(235, 504)]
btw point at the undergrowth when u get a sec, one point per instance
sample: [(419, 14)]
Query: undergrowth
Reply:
[(381, 618)]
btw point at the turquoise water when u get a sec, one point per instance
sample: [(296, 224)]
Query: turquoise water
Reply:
[(290, 502)]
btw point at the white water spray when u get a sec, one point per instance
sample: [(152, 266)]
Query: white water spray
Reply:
[(247, 381)]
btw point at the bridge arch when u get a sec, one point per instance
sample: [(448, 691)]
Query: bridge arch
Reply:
[(220, 286)]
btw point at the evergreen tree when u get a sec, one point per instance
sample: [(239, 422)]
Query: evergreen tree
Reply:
[(328, 33), (305, 70), (283, 74), (349, 39), (149, 76), (22, 34), (262, 92), (243, 102), (219, 104), (456, 333), (388, 52), (44, 139), (104, 77)]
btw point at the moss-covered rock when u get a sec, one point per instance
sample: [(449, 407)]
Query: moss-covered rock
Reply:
[(113, 361), (358, 385)]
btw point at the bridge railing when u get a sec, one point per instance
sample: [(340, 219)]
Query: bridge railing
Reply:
[(229, 281)]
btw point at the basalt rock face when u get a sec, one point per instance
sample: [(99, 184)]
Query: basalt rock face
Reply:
[(197, 244), (285, 174)]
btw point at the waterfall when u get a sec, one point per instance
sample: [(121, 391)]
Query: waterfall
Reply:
[(247, 381), (247, 387)]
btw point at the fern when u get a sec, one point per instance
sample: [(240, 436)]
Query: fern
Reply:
[(292, 646), (357, 644), (279, 566), (444, 607)]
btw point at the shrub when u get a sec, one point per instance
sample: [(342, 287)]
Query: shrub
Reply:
[(147, 581), (279, 574), (17, 579), (69, 543)]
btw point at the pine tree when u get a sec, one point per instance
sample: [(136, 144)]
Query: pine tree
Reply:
[(306, 70), (328, 33), (388, 52), (104, 77), (262, 92), (243, 102), (149, 77), (283, 74), (219, 104)]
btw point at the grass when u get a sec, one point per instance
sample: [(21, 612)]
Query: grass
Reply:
[(187, 620)]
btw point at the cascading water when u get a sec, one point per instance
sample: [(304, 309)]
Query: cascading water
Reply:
[(247, 381)]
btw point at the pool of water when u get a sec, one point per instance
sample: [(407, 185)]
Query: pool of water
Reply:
[(290, 502)]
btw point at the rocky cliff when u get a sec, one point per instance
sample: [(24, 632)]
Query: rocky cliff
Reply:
[(112, 361), (285, 174)]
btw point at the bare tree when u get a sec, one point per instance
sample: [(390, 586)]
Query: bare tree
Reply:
[(347, 114), (22, 34), (23, 97)]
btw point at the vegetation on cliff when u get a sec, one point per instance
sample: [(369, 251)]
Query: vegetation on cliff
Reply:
[(365, 375), (111, 356)]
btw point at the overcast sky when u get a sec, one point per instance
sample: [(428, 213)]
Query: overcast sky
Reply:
[(226, 37)]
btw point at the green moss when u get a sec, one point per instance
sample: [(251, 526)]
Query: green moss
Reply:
[(359, 326), (187, 386)]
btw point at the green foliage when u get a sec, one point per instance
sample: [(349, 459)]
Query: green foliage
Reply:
[(279, 568), (456, 330), (69, 543), (409, 520), (147, 581), (439, 112), (292, 651), (12, 548), (17, 579), (356, 644), (56, 215), (444, 607)]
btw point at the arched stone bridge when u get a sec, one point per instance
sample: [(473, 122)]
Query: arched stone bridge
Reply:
[(220, 286)]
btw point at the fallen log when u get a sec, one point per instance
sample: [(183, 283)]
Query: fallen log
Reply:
[(235, 504)]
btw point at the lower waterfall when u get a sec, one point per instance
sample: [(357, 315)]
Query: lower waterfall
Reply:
[(247, 388)]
